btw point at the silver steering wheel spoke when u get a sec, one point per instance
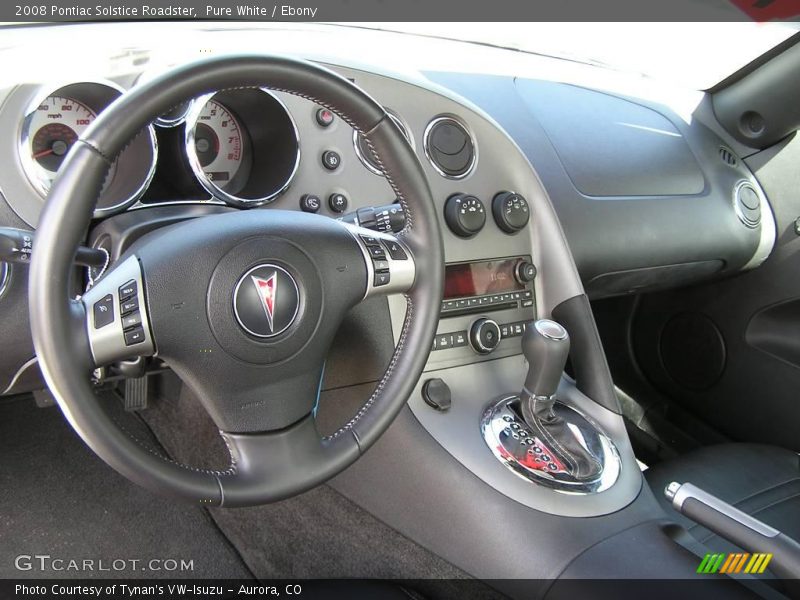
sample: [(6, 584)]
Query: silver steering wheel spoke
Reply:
[(117, 322), (390, 264)]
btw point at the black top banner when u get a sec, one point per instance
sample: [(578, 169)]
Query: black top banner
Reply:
[(404, 10)]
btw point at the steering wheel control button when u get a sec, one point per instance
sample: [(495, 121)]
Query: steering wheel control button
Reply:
[(465, 215), (266, 301), (381, 279), (484, 335), (436, 394), (380, 266), (325, 117), (131, 320), (134, 336), (395, 250), (337, 202), (369, 240), (103, 311), (128, 290), (310, 203), (129, 306), (331, 160), (376, 252), (511, 211)]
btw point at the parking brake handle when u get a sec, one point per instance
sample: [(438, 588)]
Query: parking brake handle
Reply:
[(738, 527)]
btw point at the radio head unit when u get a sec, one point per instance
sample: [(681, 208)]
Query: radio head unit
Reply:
[(488, 285)]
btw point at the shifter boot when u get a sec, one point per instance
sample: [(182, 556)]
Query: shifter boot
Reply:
[(554, 431)]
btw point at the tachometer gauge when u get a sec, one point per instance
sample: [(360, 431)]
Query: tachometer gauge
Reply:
[(227, 133), (218, 145), (50, 131)]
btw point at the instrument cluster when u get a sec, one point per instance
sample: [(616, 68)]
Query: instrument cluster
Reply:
[(221, 137), (239, 147)]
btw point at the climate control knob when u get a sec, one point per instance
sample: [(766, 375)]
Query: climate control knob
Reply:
[(464, 215), (511, 211), (484, 335)]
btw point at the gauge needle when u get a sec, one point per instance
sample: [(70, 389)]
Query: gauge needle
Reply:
[(43, 153)]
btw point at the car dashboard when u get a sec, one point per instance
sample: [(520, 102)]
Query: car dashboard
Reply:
[(647, 192)]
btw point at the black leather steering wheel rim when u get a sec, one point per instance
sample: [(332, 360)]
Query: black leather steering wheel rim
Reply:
[(264, 467)]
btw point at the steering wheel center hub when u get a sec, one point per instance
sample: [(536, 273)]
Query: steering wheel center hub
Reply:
[(266, 300)]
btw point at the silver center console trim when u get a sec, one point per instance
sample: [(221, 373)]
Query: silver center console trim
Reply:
[(508, 437)]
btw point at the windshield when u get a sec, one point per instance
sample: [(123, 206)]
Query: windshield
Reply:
[(694, 55)]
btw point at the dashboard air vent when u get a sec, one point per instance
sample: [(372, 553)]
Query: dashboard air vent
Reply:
[(727, 156), (450, 147)]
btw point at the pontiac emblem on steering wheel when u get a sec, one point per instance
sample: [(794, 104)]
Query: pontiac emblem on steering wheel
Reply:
[(268, 303), (267, 290)]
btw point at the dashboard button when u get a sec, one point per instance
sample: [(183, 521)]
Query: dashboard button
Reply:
[(310, 203), (444, 341), (325, 117), (103, 311), (331, 160), (459, 339), (337, 202)]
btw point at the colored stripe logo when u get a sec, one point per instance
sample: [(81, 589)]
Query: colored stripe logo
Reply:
[(735, 562)]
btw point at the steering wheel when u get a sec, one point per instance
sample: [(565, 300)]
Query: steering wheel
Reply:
[(242, 306)]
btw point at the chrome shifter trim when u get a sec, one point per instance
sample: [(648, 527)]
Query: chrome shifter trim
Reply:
[(510, 440)]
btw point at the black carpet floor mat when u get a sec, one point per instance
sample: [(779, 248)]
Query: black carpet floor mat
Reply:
[(58, 499)]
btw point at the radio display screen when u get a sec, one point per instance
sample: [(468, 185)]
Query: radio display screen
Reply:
[(480, 278)]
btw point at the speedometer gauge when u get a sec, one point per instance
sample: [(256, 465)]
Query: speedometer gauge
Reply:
[(51, 130), (218, 145), (56, 118)]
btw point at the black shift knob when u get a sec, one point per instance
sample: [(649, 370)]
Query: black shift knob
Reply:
[(545, 345)]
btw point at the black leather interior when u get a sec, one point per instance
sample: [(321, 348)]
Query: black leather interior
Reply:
[(763, 481)]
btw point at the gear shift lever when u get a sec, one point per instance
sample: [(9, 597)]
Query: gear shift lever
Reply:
[(545, 345)]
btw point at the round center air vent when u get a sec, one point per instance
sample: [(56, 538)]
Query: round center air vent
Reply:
[(747, 203), (364, 152), (450, 148)]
